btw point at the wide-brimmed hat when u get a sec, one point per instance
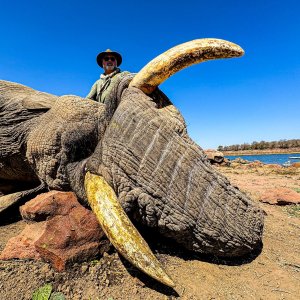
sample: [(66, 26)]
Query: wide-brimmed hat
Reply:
[(101, 55)]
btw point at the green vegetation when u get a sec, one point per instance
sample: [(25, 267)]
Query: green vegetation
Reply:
[(57, 296), (263, 145), (94, 262), (45, 293), (293, 210)]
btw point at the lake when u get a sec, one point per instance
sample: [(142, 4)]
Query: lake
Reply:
[(269, 158)]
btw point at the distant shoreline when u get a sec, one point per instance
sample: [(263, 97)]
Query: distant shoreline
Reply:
[(262, 152)]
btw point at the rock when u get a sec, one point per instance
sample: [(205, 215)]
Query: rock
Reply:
[(273, 166), (226, 162), (84, 268), (255, 164), (71, 238), (67, 233), (214, 156), (296, 165), (240, 160), (280, 196), (48, 205), (22, 246)]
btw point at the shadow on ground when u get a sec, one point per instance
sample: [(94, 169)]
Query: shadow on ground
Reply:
[(163, 245)]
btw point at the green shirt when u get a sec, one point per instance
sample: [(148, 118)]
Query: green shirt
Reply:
[(102, 88)]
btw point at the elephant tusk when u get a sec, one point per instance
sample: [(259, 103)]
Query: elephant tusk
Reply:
[(119, 229), (182, 56)]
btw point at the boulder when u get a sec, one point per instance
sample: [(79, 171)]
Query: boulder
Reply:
[(48, 205), (61, 231), (226, 162), (280, 196), (22, 246), (296, 164), (241, 161), (273, 166), (214, 156), (255, 164)]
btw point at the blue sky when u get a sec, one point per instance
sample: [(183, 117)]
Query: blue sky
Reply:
[(51, 46)]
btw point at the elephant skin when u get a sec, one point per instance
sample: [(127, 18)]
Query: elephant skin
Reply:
[(140, 145)]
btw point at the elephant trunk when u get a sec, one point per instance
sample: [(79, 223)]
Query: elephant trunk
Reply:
[(163, 179), (202, 210), (187, 200)]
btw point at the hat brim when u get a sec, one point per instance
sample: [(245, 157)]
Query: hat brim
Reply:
[(101, 55)]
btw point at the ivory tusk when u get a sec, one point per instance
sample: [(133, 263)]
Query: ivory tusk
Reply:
[(182, 56), (120, 230)]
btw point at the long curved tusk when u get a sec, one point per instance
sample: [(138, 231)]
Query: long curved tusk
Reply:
[(119, 229), (182, 56)]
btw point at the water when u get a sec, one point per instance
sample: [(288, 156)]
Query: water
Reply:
[(269, 158)]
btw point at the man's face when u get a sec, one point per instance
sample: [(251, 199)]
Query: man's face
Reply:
[(109, 63)]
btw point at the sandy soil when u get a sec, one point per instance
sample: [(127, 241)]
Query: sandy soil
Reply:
[(272, 274)]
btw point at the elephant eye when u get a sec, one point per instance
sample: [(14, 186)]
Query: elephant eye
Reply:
[(160, 99)]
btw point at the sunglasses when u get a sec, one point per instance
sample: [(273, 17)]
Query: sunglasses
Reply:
[(107, 58)]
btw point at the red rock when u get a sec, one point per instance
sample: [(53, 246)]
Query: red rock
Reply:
[(22, 246), (71, 238), (49, 204), (281, 196), (296, 165), (273, 166), (255, 164), (70, 233)]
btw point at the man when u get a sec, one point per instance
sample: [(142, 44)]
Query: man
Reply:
[(102, 89)]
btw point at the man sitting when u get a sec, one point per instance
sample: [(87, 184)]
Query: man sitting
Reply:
[(102, 89)]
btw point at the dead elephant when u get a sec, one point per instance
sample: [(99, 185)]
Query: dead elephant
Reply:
[(135, 152)]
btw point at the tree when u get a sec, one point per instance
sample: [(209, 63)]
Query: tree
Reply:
[(282, 144)]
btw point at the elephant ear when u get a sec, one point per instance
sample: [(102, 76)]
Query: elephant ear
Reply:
[(39, 101), (25, 97)]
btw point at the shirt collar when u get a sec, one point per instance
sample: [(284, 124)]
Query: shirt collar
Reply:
[(103, 76)]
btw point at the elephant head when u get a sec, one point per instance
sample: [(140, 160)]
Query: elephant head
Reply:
[(135, 156)]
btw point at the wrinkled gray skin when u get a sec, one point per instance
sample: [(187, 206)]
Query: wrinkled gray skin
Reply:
[(141, 147)]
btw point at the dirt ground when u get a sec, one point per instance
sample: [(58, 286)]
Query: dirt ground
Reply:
[(272, 274)]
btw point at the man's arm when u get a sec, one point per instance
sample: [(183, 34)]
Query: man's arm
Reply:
[(93, 92)]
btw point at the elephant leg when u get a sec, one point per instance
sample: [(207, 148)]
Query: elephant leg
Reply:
[(10, 203)]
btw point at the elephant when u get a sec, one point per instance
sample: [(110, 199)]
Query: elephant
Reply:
[(131, 159)]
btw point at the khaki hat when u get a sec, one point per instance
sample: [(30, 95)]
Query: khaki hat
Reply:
[(101, 55)]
